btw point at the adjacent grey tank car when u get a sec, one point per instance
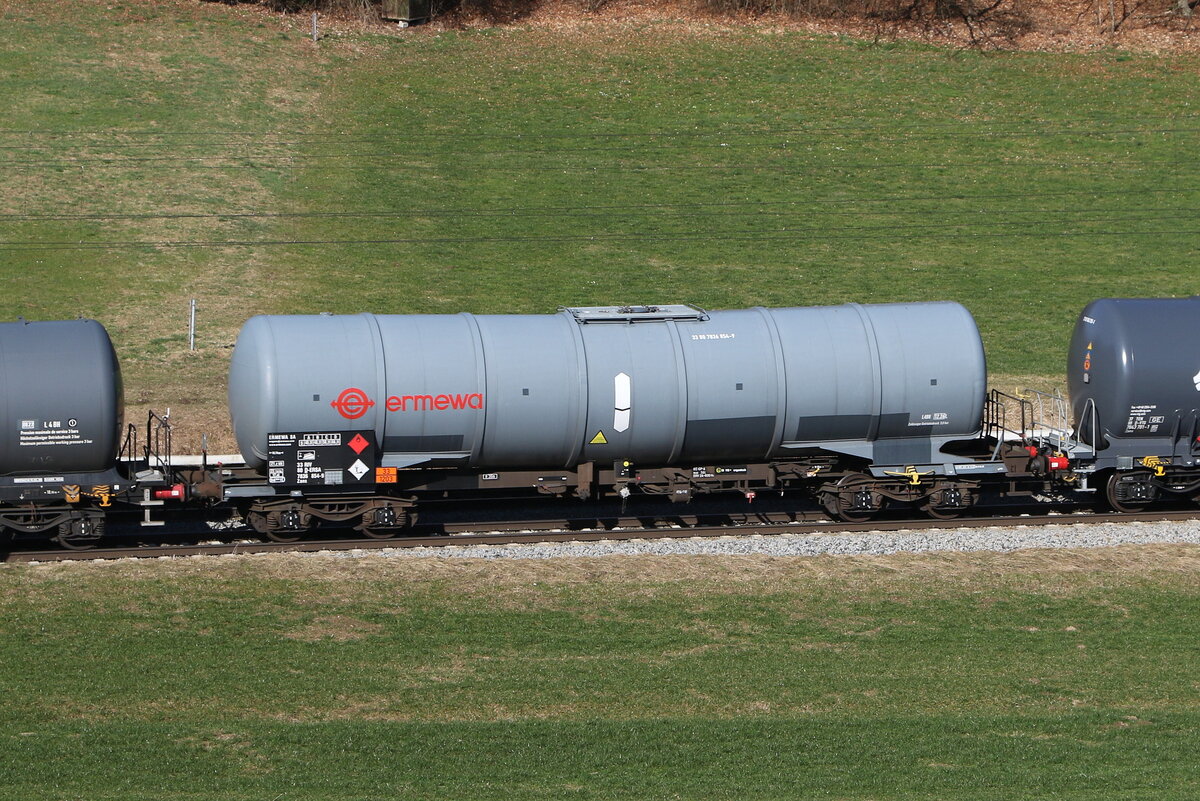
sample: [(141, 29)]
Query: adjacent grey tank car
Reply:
[(1133, 372), (665, 385), (61, 408), (61, 397)]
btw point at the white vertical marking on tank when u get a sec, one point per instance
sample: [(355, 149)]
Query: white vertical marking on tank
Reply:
[(623, 393)]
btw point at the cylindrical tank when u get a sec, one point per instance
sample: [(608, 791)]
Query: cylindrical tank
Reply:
[(1136, 362), (61, 398), (654, 385)]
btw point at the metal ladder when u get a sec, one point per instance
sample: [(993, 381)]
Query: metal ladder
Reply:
[(1037, 418), (157, 452)]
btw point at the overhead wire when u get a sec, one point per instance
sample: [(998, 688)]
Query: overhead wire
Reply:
[(258, 161), (919, 231), (691, 210), (875, 136), (543, 132)]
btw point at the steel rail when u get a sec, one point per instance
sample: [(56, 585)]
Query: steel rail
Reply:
[(545, 531)]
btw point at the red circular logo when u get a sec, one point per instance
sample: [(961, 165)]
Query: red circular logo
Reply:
[(352, 404)]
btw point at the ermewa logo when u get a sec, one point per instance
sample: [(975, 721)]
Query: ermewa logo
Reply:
[(353, 403), (1196, 378)]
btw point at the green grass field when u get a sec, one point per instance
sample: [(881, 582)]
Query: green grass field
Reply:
[(1037, 675), (156, 152), (160, 152)]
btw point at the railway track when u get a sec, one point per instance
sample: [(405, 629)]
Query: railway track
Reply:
[(560, 531)]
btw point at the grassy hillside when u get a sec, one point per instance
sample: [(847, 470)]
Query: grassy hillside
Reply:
[(954, 676), (751, 168), (159, 152), (113, 111)]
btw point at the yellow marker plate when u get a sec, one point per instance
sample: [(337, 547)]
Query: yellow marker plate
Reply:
[(599, 439)]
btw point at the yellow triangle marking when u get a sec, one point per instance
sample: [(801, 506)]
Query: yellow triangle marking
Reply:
[(1089, 346), (598, 439)]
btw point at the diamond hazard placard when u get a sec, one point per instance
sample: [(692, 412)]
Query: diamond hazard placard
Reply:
[(322, 458)]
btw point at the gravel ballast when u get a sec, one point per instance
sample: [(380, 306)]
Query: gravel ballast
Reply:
[(1078, 535)]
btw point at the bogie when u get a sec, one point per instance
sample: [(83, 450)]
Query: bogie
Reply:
[(81, 531), (1130, 491)]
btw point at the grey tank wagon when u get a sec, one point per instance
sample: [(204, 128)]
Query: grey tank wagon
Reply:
[(62, 414), (1133, 374), (876, 403), (664, 385)]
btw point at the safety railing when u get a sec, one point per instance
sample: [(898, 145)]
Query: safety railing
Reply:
[(1039, 419), (1005, 418), (158, 441), (1051, 421)]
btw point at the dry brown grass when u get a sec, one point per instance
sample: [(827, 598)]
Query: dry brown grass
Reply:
[(334, 579), (1052, 25), (338, 628)]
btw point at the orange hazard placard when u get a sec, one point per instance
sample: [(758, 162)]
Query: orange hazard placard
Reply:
[(385, 475)]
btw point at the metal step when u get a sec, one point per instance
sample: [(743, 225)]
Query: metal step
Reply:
[(147, 501)]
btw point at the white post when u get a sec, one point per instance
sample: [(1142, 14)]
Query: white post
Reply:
[(314, 26), (192, 327)]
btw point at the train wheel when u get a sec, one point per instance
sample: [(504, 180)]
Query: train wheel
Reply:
[(848, 516), (377, 533), (80, 533), (287, 525), (941, 513), (283, 535), (947, 504), (384, 522), (852, 501), (1129, 492)]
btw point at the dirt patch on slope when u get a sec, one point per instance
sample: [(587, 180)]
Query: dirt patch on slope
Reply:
[(1149, 26)]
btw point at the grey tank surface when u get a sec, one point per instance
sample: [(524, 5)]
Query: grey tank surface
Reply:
[(1136, 362), (61, 397), (665, 385)]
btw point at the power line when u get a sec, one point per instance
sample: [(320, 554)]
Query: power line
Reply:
[(917, 231), (172, 162), (546, 133), (885, 135), (694, 210)]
